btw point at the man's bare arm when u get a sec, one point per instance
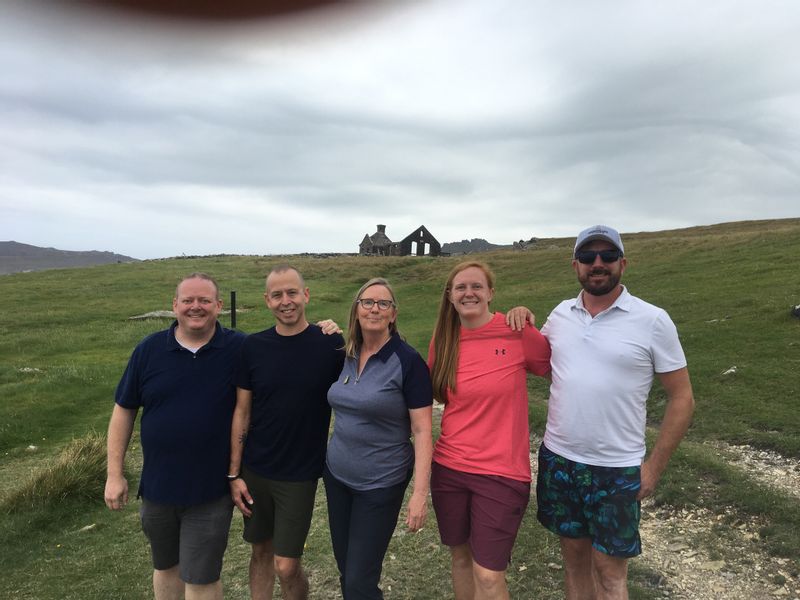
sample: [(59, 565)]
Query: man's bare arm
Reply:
[(120, 429), (239, 428), (677, 417)]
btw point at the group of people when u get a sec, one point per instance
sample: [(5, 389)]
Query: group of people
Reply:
[(230, 419)]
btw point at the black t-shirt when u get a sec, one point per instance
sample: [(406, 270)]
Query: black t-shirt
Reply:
[(289, 377)]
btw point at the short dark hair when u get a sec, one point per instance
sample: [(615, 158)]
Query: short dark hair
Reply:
[(199, 275), (282, 268)]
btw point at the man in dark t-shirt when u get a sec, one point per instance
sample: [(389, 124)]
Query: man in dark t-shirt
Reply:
[(182, 379), (279, 434)]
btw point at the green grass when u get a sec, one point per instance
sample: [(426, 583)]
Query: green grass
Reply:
[(75, 474), (65, 338)]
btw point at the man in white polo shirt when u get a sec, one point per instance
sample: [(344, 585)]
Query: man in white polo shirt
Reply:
[(607, 345)]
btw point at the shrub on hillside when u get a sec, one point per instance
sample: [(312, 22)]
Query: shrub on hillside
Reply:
[(78, 471)]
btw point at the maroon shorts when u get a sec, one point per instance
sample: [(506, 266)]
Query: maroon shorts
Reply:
[(482, 510)]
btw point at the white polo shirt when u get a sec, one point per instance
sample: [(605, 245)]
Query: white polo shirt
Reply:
[(602, 371)]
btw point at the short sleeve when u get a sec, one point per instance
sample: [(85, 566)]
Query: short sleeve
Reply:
[(417, 389), (666, 346), (128, 394), (546, 327), (241, 371), (337, 362)]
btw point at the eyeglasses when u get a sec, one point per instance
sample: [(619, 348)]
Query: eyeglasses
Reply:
[(368, 303), (587, 257)]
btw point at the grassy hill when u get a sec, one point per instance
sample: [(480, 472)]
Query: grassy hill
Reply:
[(65, 338)]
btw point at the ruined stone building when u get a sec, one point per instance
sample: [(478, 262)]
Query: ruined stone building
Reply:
[(417, 242), (377, 244)]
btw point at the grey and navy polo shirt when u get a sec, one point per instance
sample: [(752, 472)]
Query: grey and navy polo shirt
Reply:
[(370, 447)]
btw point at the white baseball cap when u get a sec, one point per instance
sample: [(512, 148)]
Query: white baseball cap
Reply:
[(599, 232)]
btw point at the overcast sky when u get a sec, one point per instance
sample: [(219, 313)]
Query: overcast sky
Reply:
[(477, 118)]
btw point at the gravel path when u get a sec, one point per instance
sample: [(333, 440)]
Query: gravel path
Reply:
[(700, 555), (694, 554)]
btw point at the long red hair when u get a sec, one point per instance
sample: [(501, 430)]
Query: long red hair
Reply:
[(446, 334)]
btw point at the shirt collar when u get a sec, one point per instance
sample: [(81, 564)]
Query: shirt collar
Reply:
[(217, 341), (388, 348), (623, 301)]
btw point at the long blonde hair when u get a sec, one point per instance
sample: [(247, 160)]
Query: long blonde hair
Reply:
[(446, 334), (354, 336)]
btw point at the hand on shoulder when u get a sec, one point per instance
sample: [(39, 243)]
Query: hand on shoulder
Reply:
[(329, 326), (518, 317)]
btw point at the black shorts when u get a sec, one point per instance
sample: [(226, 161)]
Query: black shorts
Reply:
[(193, 537), (281, 512)]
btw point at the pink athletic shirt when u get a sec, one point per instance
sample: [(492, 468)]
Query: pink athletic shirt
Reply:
[(485, 421)]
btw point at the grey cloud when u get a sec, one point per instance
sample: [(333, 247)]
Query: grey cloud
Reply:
[(500, 121)]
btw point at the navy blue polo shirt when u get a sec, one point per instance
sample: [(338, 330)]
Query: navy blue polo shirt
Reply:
[(188, 400), (370, 447)]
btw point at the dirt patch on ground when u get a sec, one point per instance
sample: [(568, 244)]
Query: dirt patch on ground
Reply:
[(696, 554), (764, 466)]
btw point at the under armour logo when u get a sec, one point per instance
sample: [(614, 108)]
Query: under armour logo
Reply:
[(498, 351)]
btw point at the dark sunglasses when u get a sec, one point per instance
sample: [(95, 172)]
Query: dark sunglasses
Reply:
[(587, 257)]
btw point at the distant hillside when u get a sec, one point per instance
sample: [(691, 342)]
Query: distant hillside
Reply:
[(16, 258), (469, 246)]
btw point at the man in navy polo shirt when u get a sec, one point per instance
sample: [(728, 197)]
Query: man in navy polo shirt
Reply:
[(183, 380)]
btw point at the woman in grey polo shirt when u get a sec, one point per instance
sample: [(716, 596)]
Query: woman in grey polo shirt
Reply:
[(381, 398)]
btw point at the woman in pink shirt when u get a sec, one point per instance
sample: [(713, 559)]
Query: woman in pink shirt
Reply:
[(481, 476)]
